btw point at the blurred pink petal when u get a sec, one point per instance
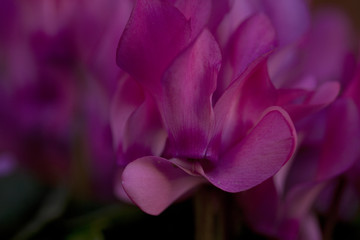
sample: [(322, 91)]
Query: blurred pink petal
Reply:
[(300, 103), (341, 141), (290, 18)]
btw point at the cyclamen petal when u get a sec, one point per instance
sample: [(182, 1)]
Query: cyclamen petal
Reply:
[(186, 105), (153, 183), (296, 14), (241, 105), (133, 137), (197, 12), (155, 34), (125, 102), (252, 39), (311, 101), (258, 156), (261, 205), (342, 138), (353, 90), (143, 138), (237, 13), (327, 45)]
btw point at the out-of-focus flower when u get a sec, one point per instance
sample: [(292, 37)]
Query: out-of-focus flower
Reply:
[(315, 166), (328, 143), (58, 73), (176, 122)]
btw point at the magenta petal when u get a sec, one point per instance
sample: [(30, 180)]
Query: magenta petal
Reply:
[(342, 139), (268, 146), (253, 38), (186, 104), (155, 34), (242, 104), (153, 183)]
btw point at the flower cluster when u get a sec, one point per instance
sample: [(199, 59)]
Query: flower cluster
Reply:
[(149, 100)]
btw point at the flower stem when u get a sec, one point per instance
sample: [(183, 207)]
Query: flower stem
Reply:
[(210, 214)]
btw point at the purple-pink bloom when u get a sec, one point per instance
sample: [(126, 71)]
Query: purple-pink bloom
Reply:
[(171, 132)]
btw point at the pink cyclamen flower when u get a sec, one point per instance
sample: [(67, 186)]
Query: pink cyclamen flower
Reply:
[(171, 133)]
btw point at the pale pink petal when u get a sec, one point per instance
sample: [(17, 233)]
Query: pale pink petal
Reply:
[(155, 34), (127, 99), (153, 183), (268, 146), (186, 104), (136, 123), (342, 139), (118, 188), (144, 133)]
